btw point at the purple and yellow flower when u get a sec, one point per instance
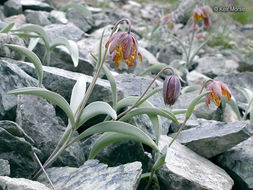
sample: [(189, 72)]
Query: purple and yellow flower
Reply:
[(202, 14), (171, 89), (217, 89), (206, 11), (123, 46)]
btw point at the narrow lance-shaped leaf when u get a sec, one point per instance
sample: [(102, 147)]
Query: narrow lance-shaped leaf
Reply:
[(195, 102), (33, 43), (247, 93), (7, 28), (119, 127), (36, 29), (156, 111), (96, 108), (112, 81), (131, 100), (155, 119), (112, 137), (32, 57), (50, 96), (70, 45), (197, 50), (78, 93), (233, 105), (100, 50)]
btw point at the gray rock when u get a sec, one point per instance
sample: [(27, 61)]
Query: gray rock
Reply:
[(61, 58), (69, 31), (185, 170), (79, 19), (15, 148), (4, 168), (62, 82), (8, 183), (11, 77), (37, 17), (184, 11), (38, 119), (196, 78), (213, 66), (40, 5), (19, 20), (93, 175), (212, 137), (10, 39), (12, 7), (238, 162), (58, 17), (191, 123), (100, 20)]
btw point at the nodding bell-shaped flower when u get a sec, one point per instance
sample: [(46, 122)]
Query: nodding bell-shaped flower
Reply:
[(171, 89), (217, 89), (123, 46), (207, 21), (203, 14)]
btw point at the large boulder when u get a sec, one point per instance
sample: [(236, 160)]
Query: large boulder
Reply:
[(238, 162), (20, 184), (38, 119), (186, 170), (211, 138), (11, 77), (16, 147)]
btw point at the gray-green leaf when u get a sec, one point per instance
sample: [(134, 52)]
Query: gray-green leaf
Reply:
[(96, 108), (78, 93), (49, 95), (70, 45), (32, 57)]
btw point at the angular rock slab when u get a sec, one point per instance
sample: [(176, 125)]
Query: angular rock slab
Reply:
[(8, 183), (15, 146), (238, 162), (212, 137), (11, 77), (93, 175), (38, 119), (185, 170)]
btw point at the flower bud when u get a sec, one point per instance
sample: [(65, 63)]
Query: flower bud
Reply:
[(171, 89)]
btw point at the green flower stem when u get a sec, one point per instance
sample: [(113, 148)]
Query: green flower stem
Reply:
[(150, 179), (140, 98), (153, 171), (204, 85), (190, 47)]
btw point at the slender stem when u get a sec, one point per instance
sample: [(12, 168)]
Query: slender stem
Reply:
[(150, 179), (204, 85), (179, 131), (38, 160), (247, 109), (190, 47), (138, 101)]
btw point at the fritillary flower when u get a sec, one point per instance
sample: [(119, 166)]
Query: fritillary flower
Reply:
[(217, 89), (124, 47), (171, 89)]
